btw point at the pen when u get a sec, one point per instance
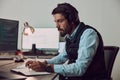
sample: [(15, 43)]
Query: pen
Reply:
[(29, 69), (36, 58)]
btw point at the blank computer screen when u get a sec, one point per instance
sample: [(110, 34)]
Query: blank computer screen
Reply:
[(44, 38), (8, 34)]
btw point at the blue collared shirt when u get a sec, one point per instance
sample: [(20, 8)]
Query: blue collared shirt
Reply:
[(87, 48)]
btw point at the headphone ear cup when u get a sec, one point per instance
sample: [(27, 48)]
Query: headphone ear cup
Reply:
[(73, 18), (70, 17)]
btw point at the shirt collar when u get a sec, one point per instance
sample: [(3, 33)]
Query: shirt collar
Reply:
[(73, 34)]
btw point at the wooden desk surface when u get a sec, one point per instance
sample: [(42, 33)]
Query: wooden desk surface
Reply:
[(7, 65)]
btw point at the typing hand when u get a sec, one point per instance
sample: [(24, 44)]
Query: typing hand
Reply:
[(28, 63), (36, 65)]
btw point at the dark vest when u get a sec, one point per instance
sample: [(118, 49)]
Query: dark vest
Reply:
[(96, 69)]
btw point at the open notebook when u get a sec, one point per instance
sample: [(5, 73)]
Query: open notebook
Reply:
[(27, 72)]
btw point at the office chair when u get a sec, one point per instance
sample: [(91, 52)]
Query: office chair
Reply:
[(110, 55)]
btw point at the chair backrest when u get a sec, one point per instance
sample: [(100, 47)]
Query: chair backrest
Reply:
[(110, 55)]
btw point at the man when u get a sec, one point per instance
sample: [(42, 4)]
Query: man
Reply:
[(83, 49)]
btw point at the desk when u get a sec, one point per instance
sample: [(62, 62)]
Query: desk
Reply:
[(7, 65)]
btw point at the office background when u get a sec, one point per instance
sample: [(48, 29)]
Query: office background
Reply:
[(104, 15)]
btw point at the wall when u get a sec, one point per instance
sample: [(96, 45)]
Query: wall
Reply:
[(104, 15)]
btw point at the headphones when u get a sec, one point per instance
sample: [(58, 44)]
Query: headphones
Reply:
[(72, 16), (70, 12)]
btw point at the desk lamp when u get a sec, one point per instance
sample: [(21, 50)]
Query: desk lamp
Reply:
[(28, 30)]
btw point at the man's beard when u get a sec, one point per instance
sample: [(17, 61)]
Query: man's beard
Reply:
[(62, 32), (65, 31)]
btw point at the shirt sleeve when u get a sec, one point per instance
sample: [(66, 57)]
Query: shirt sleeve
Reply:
[(87, 48), (60, 58)]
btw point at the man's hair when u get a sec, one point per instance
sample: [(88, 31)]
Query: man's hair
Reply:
[(68, 11)]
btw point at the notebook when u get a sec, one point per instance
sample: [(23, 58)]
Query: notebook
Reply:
[(7, 55), (27, 72)]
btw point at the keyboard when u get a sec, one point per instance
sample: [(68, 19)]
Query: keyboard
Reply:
[(7, 56)]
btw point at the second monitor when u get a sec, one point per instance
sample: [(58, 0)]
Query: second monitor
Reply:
[(43, 38)]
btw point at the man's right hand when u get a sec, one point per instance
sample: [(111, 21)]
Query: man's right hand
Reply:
[(36, 65), (28, 63)]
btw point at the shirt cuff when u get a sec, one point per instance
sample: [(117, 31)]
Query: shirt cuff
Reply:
[(49, 61), (58, 69)]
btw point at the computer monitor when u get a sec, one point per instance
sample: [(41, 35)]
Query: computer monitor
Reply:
[(43, 38), (8, 35)]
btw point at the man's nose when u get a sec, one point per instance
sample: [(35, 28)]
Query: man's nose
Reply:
[(57, 25)]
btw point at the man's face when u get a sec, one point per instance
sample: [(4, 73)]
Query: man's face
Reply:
[(62, 24)]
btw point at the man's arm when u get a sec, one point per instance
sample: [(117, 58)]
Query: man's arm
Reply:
[(59, 59), (47, 65)]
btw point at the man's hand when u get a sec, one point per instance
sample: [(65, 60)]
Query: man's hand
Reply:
[(36, 65)]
